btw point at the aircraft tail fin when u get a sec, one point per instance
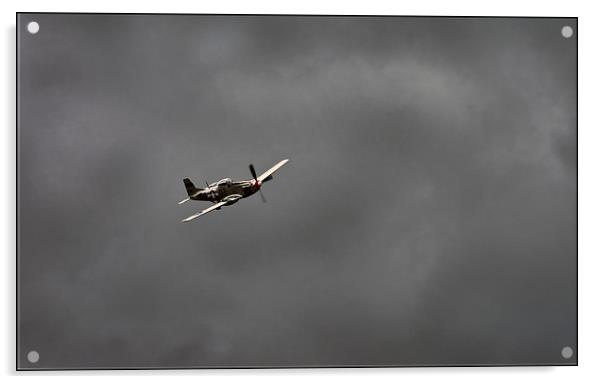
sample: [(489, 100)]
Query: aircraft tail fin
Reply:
[(190, 188)]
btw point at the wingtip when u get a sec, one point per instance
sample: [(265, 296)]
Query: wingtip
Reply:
[(190, 218)]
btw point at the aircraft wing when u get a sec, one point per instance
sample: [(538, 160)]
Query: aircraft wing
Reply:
[(204, 211), (267, 173)]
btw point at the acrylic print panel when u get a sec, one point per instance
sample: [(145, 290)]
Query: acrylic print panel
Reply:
[(426, 215)]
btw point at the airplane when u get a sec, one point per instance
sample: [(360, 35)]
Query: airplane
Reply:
[(227, 192)]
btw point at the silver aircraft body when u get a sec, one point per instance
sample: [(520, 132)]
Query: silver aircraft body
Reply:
[(227, 192)]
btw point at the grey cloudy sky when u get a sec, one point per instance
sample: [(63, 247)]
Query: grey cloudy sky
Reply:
[(427, 216)]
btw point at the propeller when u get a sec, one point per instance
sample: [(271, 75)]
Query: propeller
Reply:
[(254, 174), (252, 169)]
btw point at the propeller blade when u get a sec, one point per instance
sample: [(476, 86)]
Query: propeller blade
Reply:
[(262, 196), (252, 169)]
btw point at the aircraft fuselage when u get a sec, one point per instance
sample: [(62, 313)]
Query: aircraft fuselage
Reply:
[(218, 191)]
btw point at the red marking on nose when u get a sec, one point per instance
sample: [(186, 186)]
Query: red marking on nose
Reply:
[(256, 184)]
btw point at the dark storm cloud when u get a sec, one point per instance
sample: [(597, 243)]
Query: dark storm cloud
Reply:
[(426, 216)]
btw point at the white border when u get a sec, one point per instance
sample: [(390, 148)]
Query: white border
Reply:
[(590, 319)]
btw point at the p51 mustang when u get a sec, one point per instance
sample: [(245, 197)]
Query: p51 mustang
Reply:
[(227, 192)]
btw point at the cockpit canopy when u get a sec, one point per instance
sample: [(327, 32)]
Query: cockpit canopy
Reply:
[(224, 182)]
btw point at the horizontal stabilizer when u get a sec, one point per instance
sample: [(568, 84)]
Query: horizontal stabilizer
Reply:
[(185, 200)]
